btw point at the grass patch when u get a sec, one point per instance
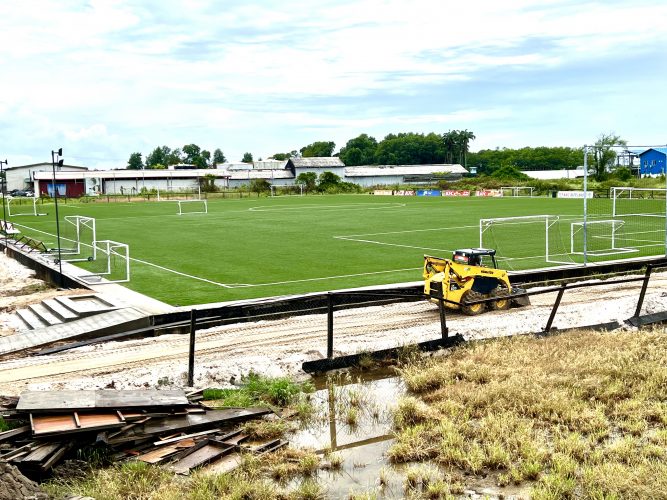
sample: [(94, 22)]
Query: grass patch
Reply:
[(579, 413), (258, 390)]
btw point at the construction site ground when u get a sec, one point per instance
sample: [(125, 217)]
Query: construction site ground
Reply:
[(224, 354)]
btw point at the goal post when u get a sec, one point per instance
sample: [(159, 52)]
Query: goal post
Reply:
[(516, 191), (112, 264), (603, 238), (173, 193), (290, 190), (525, 241), (77, 239), (16, 207), (192, 207), (647, 202)]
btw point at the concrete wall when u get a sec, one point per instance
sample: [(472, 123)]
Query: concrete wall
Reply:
[(132, 186)]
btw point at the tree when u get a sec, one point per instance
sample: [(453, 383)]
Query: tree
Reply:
[(175, 157), (319, 148), (218, 157), (456, 143), (135, 162), (328, 181), (359, 151), (410, 149), (307, 179), (259, 185), (281, 156), (509, 173), (192, 152), (604, 154), (247, 158), (207, 183)]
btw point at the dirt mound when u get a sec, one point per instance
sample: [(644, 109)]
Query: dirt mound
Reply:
[(14, 485)]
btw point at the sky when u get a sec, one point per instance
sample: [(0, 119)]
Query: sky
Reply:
[(104, 79)]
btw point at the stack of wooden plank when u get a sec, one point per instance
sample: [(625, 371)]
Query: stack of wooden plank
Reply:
[(166, 427)]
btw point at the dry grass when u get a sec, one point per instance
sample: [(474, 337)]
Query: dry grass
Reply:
[(580, 413)]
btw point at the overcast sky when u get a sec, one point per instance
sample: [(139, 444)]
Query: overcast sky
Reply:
[(103, 79)]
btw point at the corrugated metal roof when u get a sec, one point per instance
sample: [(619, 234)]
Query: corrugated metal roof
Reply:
[(132, 174), (379, 170), (317, 162)]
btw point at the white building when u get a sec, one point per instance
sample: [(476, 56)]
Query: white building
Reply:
[(23, 176)]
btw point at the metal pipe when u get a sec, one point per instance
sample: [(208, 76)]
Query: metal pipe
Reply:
[(585, 204), (4, 202), (191, 354), (55, 194), (642, 293), (443, 318), (547, 328), (330, 323)]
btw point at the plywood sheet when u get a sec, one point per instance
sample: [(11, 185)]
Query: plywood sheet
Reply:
[(55, 401), (44, 425), (202, 456)]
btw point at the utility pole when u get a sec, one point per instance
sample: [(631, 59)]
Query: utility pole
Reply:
[(4, 202)]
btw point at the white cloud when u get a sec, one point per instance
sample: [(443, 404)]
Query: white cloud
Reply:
[(136, 74)]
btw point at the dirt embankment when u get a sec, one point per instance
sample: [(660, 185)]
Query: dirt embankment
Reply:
[(279, 347)]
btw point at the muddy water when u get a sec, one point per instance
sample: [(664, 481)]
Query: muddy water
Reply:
[(354, 423)]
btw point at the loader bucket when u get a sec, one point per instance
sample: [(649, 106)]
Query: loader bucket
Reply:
[(519, 298)]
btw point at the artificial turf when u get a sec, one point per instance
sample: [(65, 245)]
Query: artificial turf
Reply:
[(258, 247)]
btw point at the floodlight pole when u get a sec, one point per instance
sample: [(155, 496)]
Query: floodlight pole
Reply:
[(57, 154), (4, 203), (585, 202)]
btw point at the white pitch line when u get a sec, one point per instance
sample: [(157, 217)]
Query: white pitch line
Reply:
[(348, 236), (351, 206), (392, 244), (324, 278)]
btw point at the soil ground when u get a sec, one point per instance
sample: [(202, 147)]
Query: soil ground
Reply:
[(279, 347)]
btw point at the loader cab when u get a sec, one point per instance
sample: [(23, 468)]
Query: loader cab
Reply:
[(475, 257)]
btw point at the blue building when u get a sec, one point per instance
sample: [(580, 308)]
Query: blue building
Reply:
[(653, 161)]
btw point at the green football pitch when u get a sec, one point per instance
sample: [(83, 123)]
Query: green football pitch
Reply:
[(261, 247)]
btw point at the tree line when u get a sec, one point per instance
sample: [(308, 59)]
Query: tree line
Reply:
[(409, 149)]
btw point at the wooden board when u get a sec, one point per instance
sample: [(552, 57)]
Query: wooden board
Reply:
[(45, 425), (57, 401), (154, 456), (225, 464), (202, 456)]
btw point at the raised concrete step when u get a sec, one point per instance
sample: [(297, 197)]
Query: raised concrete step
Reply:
[(86, 305), (60, 310), (31, 320), (44, 314)]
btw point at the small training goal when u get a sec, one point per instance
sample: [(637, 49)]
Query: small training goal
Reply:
[(112, 264), (172, 193), (644, 202), (293, 190), (22, 206), (192, 207), (599, 238), (77, 239), (525, 242), (517, 191)]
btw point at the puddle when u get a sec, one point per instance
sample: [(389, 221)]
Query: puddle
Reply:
[(353, 422)]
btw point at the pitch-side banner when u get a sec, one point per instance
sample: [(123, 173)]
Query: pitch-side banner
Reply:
[(404, 192), (428, 192), (575, 194), (450, 192), (383, 192), (489, 192)]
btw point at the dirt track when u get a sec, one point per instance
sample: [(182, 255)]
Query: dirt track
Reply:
[(279, 347)]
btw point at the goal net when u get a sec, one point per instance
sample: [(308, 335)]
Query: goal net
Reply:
[(22, 206), (645, 202), (173, 193), (77, 239), (599, 238), (295, 190), (112, 264), (516, 191), (525, 242), (192, 207)]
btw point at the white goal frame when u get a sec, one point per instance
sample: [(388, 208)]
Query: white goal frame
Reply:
[(617, 193), (576, 227), (194, 191), (34, 207), (549, 221), (516, 189), (273, 189), (79, 221), (109, 249), (181, 202)]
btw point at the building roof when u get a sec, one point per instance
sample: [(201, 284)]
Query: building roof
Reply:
[(45, 165), (380, 170), (316, 162), (131, 174), (659, 150)]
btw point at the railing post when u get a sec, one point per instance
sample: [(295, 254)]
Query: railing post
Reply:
[(547, 329), (443, 319), (191, 357), (642, 294), (330, 320)]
